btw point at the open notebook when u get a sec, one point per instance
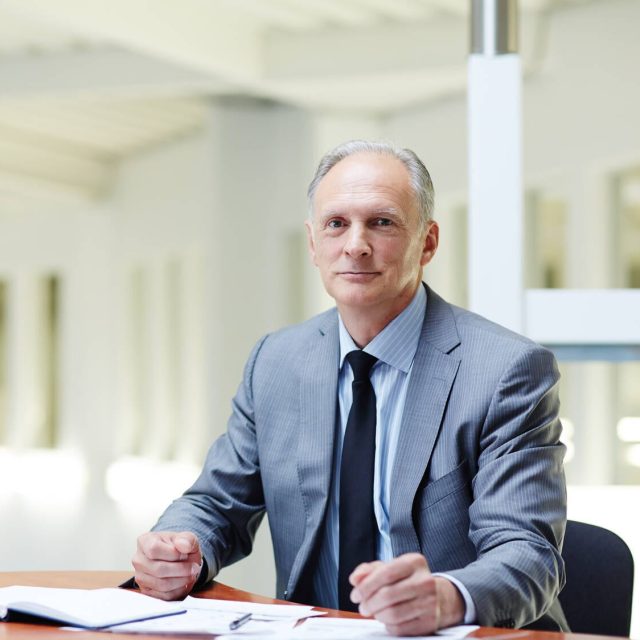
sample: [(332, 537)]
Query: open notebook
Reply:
[(87, 608)]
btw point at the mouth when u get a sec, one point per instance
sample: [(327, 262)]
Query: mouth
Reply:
[(358, 276)]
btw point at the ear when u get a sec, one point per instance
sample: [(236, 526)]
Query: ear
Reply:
[(311, 245), (430, 246)]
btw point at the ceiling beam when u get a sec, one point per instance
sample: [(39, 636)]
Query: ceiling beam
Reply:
[(203, 34), (375, 94), (52, 167), (379, 49), (101, 72), (355, 62), (399, 9)]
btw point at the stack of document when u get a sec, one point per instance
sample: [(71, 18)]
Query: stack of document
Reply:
[(123, 611), (358, 629), (221, 617)]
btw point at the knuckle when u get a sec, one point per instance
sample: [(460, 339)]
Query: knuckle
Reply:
[(392, 615), (161, 570), (417, 559), (385, 594), (137, 561), (425, 582), (153, 546)]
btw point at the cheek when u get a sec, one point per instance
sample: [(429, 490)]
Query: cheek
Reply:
[(396, 254), (410, 264), (328, 249), (322, 259)]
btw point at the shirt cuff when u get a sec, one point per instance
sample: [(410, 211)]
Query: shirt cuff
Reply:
[(469, 606)]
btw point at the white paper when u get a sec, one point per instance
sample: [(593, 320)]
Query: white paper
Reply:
[(258, 610), (205, 622), (354, 628), (210, 616), (460, 631)]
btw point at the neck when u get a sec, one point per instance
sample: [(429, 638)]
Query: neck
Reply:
[(364, 325)]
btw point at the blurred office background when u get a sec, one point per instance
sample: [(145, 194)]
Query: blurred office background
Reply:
[(154, 158)]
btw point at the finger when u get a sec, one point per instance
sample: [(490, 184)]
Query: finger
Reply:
[(164, 569), (161, 546), (402, 604), (418, 590), (388, 573), (362, 571), (178, 594), (168, 586), (187, 542)]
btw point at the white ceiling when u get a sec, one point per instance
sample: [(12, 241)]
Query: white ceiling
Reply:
[(84, 83)]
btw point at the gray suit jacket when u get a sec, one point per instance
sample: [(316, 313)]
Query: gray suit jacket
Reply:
[(478, 482)]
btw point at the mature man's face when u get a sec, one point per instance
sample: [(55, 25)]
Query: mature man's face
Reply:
[(366, 237)]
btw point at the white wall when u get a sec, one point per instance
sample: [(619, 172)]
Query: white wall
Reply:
[(227, 206)]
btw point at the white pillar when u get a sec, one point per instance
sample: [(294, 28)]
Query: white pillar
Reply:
[(26, 360), (495, 165), (192, 429), (160, 392)]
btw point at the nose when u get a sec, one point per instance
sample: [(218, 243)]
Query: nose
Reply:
[(357, 244)]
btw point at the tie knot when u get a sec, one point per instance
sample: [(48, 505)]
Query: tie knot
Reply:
[(361, 364)]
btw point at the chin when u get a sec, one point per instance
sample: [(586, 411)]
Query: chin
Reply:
[(356, 298)]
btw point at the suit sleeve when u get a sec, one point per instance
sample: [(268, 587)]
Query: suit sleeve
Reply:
[(225, 505), (518, 510)]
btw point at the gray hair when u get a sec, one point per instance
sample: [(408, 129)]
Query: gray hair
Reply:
[(418, 175)]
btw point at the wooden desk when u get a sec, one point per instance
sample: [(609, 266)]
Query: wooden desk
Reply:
[(97, 579)]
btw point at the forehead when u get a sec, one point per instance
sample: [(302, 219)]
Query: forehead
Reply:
[(366, 176)]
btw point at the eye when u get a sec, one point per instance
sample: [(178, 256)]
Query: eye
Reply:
[(383, 222), (335, 224)]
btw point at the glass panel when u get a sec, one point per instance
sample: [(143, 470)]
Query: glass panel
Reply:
[(173, 277), (447, 272), (626, 199), (297, 257), (545, 239), (601, 415), (50, 359), (138, 313), (628, 423), (3, 359)]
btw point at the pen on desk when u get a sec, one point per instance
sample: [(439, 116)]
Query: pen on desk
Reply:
[(238, 622)]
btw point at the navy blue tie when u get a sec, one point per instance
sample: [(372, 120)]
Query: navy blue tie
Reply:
[(358, 528)]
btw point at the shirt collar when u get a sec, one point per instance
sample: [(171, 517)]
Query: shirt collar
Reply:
[(397, 343)]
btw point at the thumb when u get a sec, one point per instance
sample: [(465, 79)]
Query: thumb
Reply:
[(186, 542)]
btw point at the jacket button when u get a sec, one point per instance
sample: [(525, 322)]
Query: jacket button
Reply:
[(285, 595)]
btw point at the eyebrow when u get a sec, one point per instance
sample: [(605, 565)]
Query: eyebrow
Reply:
[(385, 211)]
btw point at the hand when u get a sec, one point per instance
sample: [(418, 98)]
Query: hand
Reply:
[(167, 564), (405, 596)]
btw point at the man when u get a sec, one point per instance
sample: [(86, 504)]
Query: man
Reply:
[(458, 465)]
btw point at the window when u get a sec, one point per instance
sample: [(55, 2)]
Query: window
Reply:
[(626, 202), (3, 359), (545, 239)]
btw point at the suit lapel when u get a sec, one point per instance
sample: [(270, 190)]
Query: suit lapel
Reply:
[(432, 376), (318, 402)]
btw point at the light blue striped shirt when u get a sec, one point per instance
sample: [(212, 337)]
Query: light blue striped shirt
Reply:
[(395, 347)]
